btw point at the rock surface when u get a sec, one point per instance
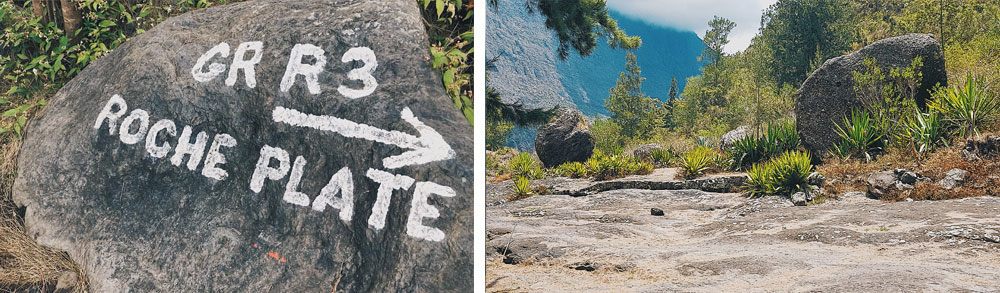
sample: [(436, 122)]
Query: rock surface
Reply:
[(984, 148), (732, 136), (827, 96), (953, 178), (886, 184), (564, 139), (261, 203)]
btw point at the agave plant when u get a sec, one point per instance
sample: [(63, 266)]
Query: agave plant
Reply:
[(791, 171), (968, 108), (522, 187), (859, 137), (783, 175), (696, 162), (777, 138), (925, 131), (760, 181), (663, 157), (524, 165)]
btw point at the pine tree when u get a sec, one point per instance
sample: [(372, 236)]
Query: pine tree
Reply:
[(637, 113)]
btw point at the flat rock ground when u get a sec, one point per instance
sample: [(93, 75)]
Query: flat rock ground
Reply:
[(724, 242)]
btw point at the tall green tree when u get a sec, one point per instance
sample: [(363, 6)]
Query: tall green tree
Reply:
[(714, 75), (673, 88), (636, 113), (797, 31), (716, 39)]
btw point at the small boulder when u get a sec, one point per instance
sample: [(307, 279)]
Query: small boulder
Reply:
[(985, 147), (645, 152), (564, 139), (656, 212), (816, 179), (731, 137), (799, 198), (828, 94), (953, 179), (882, 184)]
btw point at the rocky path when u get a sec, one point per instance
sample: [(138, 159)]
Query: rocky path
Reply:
[(711, 242)]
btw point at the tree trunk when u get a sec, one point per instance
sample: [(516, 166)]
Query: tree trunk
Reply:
[(71, 18), (38, 8)]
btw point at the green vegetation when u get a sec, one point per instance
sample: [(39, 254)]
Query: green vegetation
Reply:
[(969, 108), (525, 165), (860, 137), (664, 157), (521, 187), (695, 162), (636, 113), (783, 175), (449, 27), (754, 148), (756, 88)]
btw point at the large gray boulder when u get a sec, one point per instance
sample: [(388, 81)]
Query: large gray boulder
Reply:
[(727, 140), (168, 167), (827, 96), (564, 139)]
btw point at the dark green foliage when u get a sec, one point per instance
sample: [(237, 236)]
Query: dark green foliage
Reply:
[(783, 175), (860, 137), (797, 31), (777, 139), (525, 165), (664, 157), (636, 113), (578, 24), (968, 108), (715, 39), (695, 162)]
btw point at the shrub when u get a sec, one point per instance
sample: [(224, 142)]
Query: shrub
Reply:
[(967, 108), (607, 135), (574, 170), (696, 162), (778, 138), (524, 165), (722, 161), (603, 167), (790, 172), (663, 157), (521, 187), (760, 181), (783, 175), (859, 137), (925, 131)]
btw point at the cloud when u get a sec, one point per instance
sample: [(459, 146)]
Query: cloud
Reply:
[(694, 15)]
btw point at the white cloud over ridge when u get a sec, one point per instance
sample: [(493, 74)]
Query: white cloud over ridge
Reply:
[(694, 15)]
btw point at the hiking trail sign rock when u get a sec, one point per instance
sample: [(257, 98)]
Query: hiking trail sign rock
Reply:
[(288, 146)]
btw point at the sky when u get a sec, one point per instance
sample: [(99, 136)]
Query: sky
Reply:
[(694, 15)]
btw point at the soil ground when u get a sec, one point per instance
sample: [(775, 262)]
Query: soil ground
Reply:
[(725, 242)]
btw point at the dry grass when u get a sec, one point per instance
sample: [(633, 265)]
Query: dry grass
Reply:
[(24, 264), (983, 178)]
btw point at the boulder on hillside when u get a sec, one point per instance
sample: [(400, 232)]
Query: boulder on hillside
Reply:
[(262, 146), (827, 96), (732, 136), (564, 139), (645, 152)]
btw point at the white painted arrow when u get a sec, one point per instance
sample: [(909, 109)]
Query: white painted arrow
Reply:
[(429, 147)]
